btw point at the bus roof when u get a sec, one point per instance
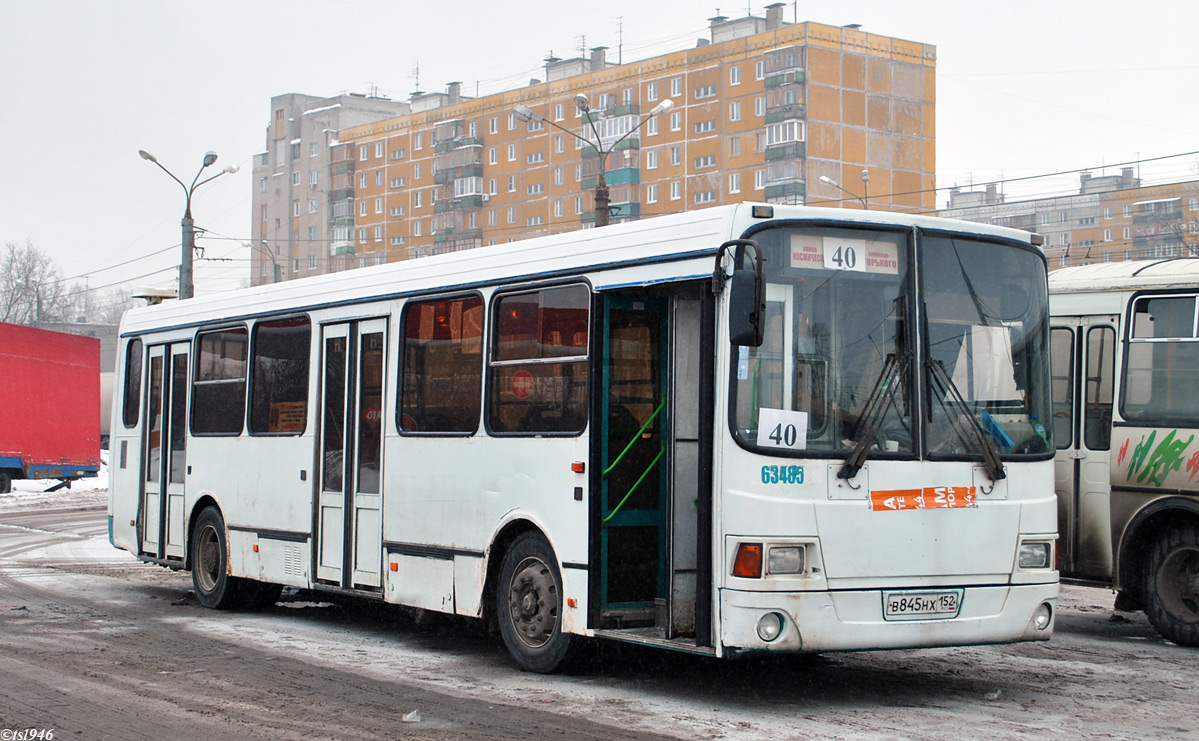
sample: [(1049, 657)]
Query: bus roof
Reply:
[(1128, 276), (663, 248)]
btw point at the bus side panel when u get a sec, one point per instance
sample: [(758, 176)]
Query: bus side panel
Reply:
[(125, 455), (447, 498), (263, 484)]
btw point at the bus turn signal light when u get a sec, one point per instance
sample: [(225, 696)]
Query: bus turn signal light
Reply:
[(748, 563)]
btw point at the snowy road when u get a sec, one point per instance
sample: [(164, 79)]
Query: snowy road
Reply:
[(96, 645)]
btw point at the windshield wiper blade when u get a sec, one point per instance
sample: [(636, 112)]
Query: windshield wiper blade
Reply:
[(973, 431), (875, 411)]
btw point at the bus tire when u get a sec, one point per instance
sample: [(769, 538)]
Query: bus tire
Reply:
[(529, 606), (5, 482), (215, 588), (1172, 585)]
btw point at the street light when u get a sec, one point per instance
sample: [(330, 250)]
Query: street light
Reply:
[(835, 184), (584, 106), (866, 188), (186, 289)]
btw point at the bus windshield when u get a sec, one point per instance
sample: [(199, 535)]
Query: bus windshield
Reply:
[(841, 367)]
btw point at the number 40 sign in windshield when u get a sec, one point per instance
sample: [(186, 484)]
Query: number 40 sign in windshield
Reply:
[(781, 428)]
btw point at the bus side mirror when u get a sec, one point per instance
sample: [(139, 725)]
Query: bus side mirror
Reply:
[(747, 293)]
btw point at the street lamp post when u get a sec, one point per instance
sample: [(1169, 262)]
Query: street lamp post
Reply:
[(835, 184), (865, 188), (186, 286), (602, 199)]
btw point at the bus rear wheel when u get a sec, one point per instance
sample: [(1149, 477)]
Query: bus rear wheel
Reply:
[(211, 581), (1172, 585), (529, 606)]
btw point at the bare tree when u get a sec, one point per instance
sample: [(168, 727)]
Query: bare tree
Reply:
[(108, 307), (32, 289)]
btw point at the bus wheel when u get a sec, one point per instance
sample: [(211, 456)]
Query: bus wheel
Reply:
[(529, 605), (213, 585), (1172, 585), (5, 482)]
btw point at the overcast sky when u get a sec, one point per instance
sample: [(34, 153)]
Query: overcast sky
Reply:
[(1024, 88)]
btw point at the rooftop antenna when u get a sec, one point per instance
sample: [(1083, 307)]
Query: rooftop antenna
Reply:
[(620, 39), (582, 46), (416, 77)]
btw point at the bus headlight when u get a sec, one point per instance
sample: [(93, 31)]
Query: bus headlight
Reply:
[(786, 560), (1035, 554), (770, 626)]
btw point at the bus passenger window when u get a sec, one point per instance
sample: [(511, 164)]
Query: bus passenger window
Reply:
[(133, 383), (441, 386), (538, 380), (279, 376), (219, 390), (1162, 361)]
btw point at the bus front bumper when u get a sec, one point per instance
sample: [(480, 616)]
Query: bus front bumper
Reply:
[(854, 620)]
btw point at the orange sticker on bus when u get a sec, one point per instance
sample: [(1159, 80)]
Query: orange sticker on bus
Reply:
[(930, 497)]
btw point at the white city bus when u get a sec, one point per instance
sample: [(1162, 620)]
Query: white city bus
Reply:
[(740, 429), (1125, 345)]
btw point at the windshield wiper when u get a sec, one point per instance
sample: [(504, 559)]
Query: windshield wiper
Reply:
[(950, 395), (877, 405)]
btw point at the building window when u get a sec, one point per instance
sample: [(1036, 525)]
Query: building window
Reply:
[(676, 87), (1194, 204), (511, 122), (295, 178), (512, 214), (396, 211), (784, 131), (1107, 212), (708, 196), (536, 158), (378, 234), (491, 218), (418, 141), (362, 208), (378, 178), (535, 220), (735, 110), (262, 185), (651, 91), (511, 152), (378, 205), (493, 125), (559, 177), (1063, 217), (417, 171), (676, 190), (558, 208), (1128, 232), (491, 186), (707, 91), (493, 156), (735, 182), (559, 112), (706, 161), (651, 159), (362, 235), (759, 179), (416, 227), (1107, 235), (760, 106), (362, 153), (760, 69), (734, 75), (705, 127), (676, 121), (416, 199), (312, 205), (379, 148), (651, 126), (397, 154), (676, 155), (511, 183), (535, 189), (397, 183), (1127, 210), (295, 208), (735, 146), (578, 205), (651, 194)]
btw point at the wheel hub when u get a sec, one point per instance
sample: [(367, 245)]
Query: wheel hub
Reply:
[(533, 601)]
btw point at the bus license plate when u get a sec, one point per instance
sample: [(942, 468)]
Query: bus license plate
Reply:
[(922, 605)]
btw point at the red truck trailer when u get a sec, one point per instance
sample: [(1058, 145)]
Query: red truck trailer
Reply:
[(49, 405)]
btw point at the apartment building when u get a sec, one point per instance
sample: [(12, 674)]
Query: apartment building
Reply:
[(761, 110), (1110, 219), (292, 207)]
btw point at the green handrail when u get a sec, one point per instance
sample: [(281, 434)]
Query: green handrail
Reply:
[(654, 462), (636, 436)]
